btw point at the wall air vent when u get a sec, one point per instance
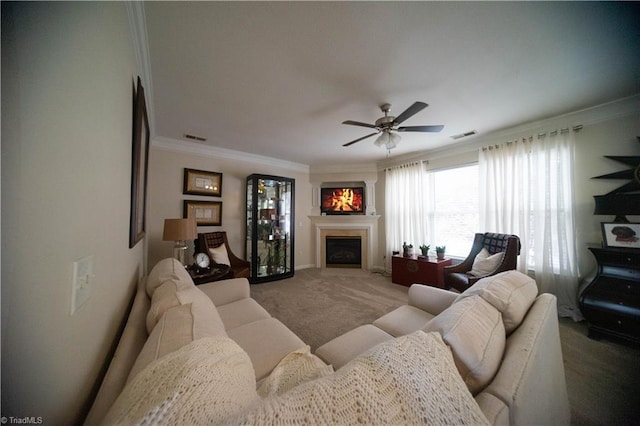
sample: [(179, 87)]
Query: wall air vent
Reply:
[(194, 137), (464, 135)]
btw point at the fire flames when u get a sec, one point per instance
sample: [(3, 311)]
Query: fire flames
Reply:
[(342, 200)]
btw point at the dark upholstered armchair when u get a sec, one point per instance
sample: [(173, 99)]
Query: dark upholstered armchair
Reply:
[(212, 240), (458, 277)]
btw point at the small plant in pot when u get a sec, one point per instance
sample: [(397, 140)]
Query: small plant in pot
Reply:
[(440, 251), (425, 249)]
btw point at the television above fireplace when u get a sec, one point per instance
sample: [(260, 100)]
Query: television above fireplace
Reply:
[(348, 200)]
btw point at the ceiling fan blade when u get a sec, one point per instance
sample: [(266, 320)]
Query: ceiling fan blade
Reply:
[(421, 128), (359, 139), (358, 123), (413, 109)]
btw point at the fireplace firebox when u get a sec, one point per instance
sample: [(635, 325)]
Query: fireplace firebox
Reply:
[(343, 252)]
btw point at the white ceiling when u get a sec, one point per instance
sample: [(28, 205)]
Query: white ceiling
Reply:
[(278, 78)]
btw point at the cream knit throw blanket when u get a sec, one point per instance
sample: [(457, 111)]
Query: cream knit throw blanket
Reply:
[(408, 380)]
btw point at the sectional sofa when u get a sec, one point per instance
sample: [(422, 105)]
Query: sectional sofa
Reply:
[(210, 354)]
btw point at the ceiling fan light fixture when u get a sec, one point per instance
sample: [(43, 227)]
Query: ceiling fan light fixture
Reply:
[(387, 139)]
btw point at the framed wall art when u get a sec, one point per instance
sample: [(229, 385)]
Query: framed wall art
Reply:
[(207, 213), (621, 234), (139, 167), (200, 182)]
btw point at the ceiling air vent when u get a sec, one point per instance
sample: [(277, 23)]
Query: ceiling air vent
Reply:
[(194, 137), (464, 135)]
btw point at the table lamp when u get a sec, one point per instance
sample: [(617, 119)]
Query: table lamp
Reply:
[(180, 231), (618, 205)]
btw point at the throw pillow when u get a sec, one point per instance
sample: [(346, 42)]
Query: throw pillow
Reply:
[(408, 380), (474, 331), (203, 383), (510, 292), (484, 263), (219, 255)]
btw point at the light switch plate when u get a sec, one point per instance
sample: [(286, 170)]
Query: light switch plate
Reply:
[(82, 282)]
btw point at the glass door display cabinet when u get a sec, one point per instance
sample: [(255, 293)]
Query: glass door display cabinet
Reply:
[(270, 226)]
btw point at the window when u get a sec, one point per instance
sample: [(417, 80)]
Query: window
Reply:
[(453, 210)]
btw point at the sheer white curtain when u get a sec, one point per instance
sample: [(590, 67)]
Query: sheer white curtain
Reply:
[(526, 188), (406, 206)]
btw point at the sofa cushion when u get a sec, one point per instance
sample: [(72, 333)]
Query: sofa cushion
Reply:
[(266, 341), (164, 270), (485, 263), (408, 380), (176, 328), (174, 293), (346, 347), (510, 292), (404, 320), (475, 332), (241, 312), (205, 382)]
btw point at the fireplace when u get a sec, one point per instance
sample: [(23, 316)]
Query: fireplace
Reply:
[(343, 252)]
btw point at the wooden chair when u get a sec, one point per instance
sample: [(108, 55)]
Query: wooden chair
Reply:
[(458, 277), (206, 240)]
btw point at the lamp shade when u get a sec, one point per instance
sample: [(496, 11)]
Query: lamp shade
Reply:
[(179, 229), (619, 204)]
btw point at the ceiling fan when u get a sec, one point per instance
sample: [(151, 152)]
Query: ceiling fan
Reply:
[(388, 125)]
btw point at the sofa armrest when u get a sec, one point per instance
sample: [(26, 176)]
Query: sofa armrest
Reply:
[(430, 299), (227, 291)]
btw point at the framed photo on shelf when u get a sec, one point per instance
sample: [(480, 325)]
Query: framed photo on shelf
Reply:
[(201, 182), (139, 167), (207, 213), (625, 235)]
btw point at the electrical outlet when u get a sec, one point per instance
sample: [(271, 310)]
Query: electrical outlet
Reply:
[(82, 282)]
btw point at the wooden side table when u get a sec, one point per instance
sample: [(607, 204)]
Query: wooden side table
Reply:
[(411, 270), (215, 273)]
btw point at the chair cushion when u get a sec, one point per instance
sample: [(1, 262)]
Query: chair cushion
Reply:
[(485, 263), (475, 332), (205, 382), (510, 292), (219, 255)]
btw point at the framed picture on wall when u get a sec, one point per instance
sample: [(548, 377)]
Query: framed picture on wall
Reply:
[(621, 235), (207, 213), (139, 167), (200, 182)]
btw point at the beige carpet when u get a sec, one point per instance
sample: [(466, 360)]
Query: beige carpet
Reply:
[(603, 377)]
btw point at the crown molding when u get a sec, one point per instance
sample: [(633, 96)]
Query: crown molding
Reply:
[(199, 149)]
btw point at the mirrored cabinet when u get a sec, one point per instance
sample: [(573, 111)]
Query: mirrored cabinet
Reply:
[(270, 227)]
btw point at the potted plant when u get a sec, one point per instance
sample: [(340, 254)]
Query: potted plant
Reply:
[(440, 251), (425, 249), (407, 249)]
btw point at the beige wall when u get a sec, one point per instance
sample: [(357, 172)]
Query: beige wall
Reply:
[(67, 84), (167, 165)]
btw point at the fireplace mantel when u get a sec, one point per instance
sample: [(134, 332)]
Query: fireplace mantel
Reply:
[(365, 226)]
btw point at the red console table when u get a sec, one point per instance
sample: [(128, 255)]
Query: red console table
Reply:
[(411, 270)]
